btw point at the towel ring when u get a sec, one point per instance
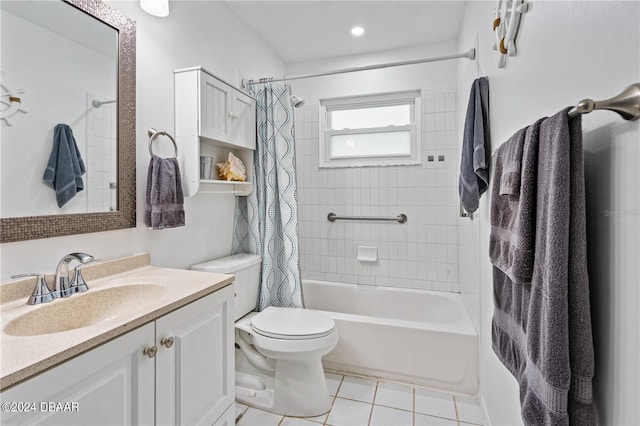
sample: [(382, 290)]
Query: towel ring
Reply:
[(153, 133)]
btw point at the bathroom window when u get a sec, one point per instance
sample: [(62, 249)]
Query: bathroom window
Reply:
[(370, 130)]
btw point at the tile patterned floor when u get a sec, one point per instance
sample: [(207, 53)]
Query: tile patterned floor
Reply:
[(362, 401)]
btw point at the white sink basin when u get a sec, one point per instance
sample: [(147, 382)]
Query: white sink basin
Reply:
[(84, 309)]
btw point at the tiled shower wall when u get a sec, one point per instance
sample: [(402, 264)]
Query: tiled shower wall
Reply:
[(102, 157), (423, 252)]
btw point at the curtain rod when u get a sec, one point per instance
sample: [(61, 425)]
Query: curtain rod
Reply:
[(470, 54)]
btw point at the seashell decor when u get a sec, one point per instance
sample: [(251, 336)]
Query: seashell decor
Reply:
[(232, 169)]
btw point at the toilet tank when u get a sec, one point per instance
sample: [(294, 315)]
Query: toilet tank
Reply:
[(246, 268)]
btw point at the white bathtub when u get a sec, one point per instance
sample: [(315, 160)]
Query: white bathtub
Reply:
[(416, 336)]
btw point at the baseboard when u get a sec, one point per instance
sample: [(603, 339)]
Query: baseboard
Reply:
[(483, 407)]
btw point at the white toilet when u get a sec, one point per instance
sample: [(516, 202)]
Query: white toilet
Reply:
[(278, 350)]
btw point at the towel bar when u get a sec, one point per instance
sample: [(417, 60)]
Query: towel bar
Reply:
[(153, 133), (626, 103)]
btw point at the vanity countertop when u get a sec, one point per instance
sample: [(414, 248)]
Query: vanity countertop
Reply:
[(158, 291)]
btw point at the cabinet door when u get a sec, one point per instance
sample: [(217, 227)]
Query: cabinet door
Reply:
[(216, 100), (110, 385), (243, 131), (195, 375)]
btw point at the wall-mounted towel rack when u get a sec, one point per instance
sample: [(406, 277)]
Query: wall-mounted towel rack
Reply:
[(154, 133), (402, 218), (11, 102), (627, 104)]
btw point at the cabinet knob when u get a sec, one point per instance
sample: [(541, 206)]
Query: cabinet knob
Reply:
[(150, 351), (234, 115), (167, 342)]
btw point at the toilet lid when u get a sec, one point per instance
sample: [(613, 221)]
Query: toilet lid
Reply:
[(292, 323)]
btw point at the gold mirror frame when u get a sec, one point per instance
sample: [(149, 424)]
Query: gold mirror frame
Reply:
[(36, 227)]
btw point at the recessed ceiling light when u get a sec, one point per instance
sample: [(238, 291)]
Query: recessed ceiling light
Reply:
[(357, 31)]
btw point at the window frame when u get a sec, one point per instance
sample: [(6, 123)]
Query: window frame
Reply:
[(408, 97)]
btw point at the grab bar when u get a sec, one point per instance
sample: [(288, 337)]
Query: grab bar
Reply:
[(401, 218)]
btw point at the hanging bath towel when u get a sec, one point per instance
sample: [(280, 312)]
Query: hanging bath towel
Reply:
[(65, 166), (476, 144), (541, 327), (164, 198)]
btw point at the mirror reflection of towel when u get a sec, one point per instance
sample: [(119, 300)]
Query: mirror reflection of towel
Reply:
[(65, 167)]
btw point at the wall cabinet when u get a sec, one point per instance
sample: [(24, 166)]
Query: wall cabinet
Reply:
[(176, 370), (212, 119)]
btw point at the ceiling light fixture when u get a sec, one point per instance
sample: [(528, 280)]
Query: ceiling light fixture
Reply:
[(159, 8), (357, 31)]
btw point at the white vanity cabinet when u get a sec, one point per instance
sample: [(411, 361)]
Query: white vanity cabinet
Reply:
[(110, 385), (188, 381), (195, 374), (212, 118)]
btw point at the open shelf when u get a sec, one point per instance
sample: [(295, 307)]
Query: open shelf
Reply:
[(217, 186)]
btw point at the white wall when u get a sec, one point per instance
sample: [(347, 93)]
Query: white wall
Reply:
[(569, 51), (195, 33), (421, 254), (430, 75)]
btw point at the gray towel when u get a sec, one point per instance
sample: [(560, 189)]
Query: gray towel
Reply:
[(512, 214), (65, 166), (541, 324), (164, 197), (476, 144)]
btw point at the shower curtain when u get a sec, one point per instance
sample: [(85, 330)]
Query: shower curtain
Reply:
[(266, 221)]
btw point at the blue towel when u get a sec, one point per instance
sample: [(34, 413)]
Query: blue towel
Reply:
[(476, 144), (65, 167)]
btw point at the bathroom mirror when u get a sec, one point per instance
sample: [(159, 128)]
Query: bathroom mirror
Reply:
[(78, 68)]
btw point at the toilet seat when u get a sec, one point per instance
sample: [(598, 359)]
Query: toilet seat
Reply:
[(292, 324)]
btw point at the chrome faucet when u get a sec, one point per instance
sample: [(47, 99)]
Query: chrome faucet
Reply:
[(41, 293), (65, 287)]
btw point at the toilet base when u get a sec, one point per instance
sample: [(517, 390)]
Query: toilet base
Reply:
[(283, 391)]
